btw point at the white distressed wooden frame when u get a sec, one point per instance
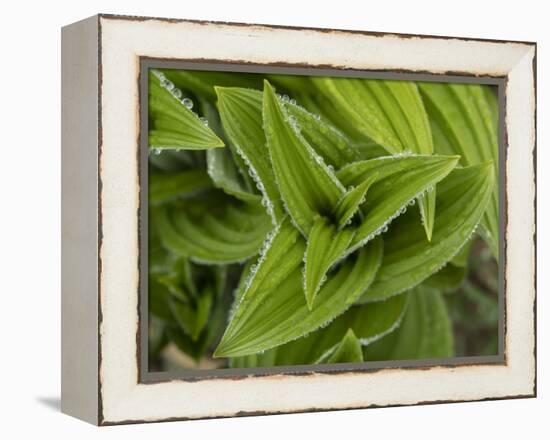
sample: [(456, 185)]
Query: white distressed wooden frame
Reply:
[(100, 274)]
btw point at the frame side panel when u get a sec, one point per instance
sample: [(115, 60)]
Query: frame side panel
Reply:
[(79, 220)]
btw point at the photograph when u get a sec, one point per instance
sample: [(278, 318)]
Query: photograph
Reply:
[(320, 218)]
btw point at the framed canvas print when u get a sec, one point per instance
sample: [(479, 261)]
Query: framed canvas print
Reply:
[(262, 220)]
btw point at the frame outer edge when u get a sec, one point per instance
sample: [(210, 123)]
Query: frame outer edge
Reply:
[(129, 395), (535, 202), (79, 220)]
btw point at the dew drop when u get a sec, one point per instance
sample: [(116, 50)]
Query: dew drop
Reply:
[(188, 103), (176, 93), (292, 101), (169, 85), (204, 120), (285, 98)]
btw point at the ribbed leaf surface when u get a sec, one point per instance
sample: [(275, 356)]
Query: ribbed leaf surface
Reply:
[(408, 257)]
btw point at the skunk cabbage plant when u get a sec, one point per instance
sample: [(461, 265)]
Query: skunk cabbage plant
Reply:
[(303, 220)]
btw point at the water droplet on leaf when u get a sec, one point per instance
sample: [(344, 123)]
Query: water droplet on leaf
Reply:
[(188, 103), (176, 93)]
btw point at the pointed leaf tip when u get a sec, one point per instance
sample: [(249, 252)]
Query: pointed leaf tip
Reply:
[(241, 115), (325, 247), (348, 350), (271, 309), (464, 119), (400, 180), (408, 259), (307, 185), (427, 211), (174, 126), (349, 204)]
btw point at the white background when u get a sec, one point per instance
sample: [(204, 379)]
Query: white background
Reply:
[(30, 218)]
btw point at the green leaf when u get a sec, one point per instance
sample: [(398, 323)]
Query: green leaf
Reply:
[(158, 340), (369, 322), (329, 112), (303, 89), (349, 350), (325, 246), (272, 309), (175, 300), (484, 315), (172, 161), (213, 231), (254, 360), (203, 83), (464, 119), (427, 212), (293, 84), (158, 300), (225, 166), (189, 300), (173, 125), (399, 181), (348, 205), (224, 174), (185, 271), (447, 279), (425, 332), (327, 141), (174, 287), (408, 258), (241, 115), (159, 259), (193, 319), (461, 258), (163, 187), (307, 185), (389, 112), (392, 114), (195, 349), (281, 258), (204, 306)]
